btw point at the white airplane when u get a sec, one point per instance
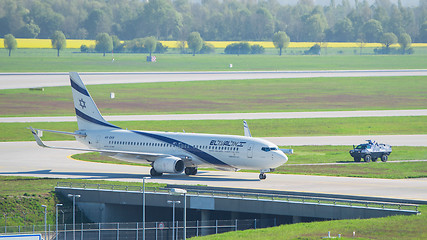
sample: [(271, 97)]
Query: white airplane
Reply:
[(167, 152)]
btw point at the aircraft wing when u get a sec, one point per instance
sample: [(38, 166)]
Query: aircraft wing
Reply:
[(139, 155)]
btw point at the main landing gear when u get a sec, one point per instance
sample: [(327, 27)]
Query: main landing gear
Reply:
[(190, 170), (262, 176)]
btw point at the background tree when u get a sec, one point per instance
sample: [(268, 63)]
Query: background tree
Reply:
[(10, 42), (223, 20), (405, 42), (423, 32), (262, 24), (46, 18), (372, 30), (280, 41), (150, 44), (314, 27), (195, 42), (58, 41), (343, 31), (104, 43), (388, 39), (29, 30)]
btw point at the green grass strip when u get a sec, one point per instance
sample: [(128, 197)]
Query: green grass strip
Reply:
[(259, 127), (257, 95), (45, 60), (395, 227)]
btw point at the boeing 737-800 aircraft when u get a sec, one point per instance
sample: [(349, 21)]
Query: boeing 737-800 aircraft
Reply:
[(167, 152)]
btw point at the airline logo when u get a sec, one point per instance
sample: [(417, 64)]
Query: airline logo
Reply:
[(227, 143)]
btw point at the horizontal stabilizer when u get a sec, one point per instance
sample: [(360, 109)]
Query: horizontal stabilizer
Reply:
[(141, 155), (59, 132)]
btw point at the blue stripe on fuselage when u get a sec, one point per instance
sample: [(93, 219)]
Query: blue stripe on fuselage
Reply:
[(93, 120), (189, 148), (78, 88)]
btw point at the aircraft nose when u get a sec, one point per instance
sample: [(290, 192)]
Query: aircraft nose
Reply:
[(280, 158)]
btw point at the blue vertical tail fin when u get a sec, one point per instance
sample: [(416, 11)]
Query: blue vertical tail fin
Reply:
[(87, 113)]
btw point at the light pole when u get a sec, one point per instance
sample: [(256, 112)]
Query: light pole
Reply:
[(173, 216), (63, 216), (143, 206), (74, 213), (179, 191), (45, 229), (57, 205)]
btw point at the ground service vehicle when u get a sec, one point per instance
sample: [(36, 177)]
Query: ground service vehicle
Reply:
[(371, 151)]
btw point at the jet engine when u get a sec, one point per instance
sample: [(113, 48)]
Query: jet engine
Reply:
[(169, 165)]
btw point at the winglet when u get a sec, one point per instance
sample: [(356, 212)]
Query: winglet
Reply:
[(287, 151), (38, 139), (246, 129)]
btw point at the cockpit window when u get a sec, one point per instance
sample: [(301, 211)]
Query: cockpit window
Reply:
[(267, 149)]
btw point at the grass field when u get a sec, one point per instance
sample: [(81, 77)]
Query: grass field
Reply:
[(259, 127), (364, 170), (263, 95), (45, 60), (396, 227)]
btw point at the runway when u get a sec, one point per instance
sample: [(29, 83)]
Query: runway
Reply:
[(230, 116), (52, 163), (34, 80)]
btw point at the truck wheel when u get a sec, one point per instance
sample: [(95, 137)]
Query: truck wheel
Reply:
[(367, 158), (357, 159), (384, 158)]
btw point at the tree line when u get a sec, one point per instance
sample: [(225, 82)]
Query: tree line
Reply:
[(238, 20)]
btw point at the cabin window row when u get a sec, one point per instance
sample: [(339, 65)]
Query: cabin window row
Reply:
[(170, 145)]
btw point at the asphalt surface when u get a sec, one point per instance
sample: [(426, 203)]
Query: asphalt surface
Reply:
[(231, 116), (34, 80), (27, 159), (52, 163)]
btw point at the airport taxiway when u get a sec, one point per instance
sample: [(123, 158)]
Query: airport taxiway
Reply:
[(35, 80), (27, 159)]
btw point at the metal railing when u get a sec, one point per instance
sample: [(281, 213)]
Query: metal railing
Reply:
[(153, 230), (252, 196)]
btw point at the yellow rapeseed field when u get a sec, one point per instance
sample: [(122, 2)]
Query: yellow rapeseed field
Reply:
[(47, 43), (76, 43)]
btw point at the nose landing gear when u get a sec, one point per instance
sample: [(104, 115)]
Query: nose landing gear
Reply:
[(262, 176), (190, 170)]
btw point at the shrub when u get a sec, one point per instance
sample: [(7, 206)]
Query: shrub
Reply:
[(257, 49), (160, 48), (207, 48), (238, 48), (84, 48), (314, 50)]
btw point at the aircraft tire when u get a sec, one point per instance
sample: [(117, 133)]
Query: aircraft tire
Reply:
[(262, 176), (154, 173), (190, 170)]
